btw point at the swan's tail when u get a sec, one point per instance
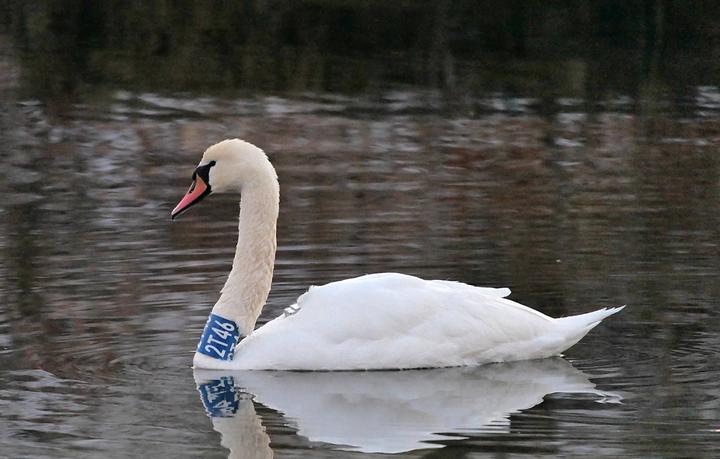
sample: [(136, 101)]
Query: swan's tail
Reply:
[(589, 320), (576, 327)]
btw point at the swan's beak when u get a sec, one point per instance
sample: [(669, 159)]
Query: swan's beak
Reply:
[(198, 190)]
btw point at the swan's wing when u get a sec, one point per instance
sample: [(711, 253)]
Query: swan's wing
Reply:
[(489, 291), (396, 321)]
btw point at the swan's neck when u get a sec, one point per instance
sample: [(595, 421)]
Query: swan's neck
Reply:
[(248, 285)]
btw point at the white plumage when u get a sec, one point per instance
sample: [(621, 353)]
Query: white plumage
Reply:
[(377, 321), (396, 321)]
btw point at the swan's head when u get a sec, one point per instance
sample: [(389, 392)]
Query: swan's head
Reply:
[(226, 167)]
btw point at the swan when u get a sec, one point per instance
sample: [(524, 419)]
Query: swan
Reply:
[(371, 322)]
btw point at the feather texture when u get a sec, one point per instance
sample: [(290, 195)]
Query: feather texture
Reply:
[(396, 321)]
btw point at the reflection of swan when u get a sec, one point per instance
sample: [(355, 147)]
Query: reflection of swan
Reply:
[(382, 411), (380, 321), (234, 418)]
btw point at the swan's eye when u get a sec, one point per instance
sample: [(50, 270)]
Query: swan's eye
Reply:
[(204, 172)]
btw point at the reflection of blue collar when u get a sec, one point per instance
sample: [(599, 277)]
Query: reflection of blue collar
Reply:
[(220, 397), (219, 338)]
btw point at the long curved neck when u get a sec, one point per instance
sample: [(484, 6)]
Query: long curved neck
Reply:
[(248, 285)]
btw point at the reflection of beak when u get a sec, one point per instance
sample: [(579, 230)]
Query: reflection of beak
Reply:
[(198, 190)]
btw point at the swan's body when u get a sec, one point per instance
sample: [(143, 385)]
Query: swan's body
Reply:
[(378, 321), (390, 320)]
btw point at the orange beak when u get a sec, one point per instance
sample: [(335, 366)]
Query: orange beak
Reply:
[(198, 190)]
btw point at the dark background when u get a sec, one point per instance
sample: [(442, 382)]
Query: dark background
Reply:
[(589, 49)]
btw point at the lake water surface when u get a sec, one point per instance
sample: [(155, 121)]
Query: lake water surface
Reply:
[(575, 204)]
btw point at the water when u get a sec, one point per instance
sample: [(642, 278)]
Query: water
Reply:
[(574, 200), (104, 298)]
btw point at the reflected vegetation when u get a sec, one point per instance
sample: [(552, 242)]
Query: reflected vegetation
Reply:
[(382, 411), (567, 152), (591, 49)]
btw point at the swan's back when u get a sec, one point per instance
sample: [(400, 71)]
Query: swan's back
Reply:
[(392, 321)]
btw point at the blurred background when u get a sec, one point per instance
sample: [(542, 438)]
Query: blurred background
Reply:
[(565, 150)]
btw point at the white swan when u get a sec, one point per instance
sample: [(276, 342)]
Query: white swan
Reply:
[(378, 321)]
